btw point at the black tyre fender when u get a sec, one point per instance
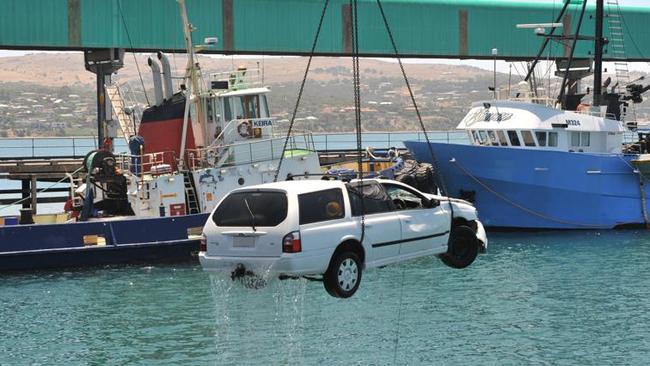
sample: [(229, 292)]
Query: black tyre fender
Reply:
[(462, 247), (337, 282), (407, 179), (424, 178)]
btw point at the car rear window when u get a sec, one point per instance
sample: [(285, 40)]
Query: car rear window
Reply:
[(321, 206), (268, 209)]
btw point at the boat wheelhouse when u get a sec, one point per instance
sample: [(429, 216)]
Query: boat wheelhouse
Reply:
[(517, 124)]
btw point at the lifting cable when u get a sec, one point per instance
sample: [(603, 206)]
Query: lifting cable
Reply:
[(356, 82), (440, 180), (302, 88), (135, 59)]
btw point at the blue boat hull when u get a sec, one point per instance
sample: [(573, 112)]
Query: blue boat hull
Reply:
[(526, 188), (151, 240)]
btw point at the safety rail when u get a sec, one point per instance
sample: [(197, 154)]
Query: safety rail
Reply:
[(247, 152), (79, 146), (151, 163), (240, 78)]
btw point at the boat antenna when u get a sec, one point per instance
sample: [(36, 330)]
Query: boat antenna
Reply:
[(495, 52), (509, 78)]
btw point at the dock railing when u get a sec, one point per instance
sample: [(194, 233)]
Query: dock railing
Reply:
[(79, 146)]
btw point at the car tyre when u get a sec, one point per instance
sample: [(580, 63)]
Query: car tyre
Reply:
[(343, 275), (462, 248)]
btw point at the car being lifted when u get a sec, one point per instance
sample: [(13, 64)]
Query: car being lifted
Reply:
[(336, 229)]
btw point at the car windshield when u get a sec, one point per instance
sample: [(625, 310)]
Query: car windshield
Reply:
[(266, 209)]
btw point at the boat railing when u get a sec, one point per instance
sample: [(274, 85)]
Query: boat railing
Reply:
[(151, 163), (528, 96), (242, 78), (247, 151)]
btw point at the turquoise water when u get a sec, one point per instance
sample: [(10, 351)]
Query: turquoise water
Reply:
[(535, 298)]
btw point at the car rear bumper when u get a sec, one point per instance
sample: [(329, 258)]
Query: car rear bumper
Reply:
[(293, 264)]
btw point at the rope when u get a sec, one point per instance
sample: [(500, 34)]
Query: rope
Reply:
[(39, 191), (515, 204), (128, 36), (302, 88)]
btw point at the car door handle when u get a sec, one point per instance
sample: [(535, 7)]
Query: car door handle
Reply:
[(407, 219), (367, 225)]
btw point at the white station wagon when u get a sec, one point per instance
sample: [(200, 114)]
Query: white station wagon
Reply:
[(316, 227)]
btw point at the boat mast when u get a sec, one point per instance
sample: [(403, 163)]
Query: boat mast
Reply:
[(598, 54), (194, 91)]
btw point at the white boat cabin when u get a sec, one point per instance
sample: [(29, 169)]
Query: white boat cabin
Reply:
[(525, 125), (236, 109)]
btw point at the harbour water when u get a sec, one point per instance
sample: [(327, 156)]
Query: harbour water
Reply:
[(576, 297)]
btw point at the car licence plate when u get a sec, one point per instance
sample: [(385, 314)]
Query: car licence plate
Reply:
[(243, 242)]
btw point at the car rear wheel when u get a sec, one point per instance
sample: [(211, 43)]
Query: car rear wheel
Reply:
[(462, 247), (343, 275)]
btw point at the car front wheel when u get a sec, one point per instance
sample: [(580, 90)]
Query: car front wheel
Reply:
[(462, 247), (343, 275)]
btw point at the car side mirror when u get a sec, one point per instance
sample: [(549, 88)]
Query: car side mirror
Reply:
[(430, 203)]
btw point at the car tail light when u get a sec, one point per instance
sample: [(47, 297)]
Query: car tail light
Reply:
[(291, 243), (203, 245)]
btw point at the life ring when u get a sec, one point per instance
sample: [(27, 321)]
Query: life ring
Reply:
[(244, 129)]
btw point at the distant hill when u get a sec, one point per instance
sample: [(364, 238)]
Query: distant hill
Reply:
[(52, 94)]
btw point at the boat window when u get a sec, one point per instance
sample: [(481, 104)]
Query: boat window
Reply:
[(503, 140), (575, 138), (514, 139), (474, 137), (264, 107), (552, 139), (227, 113), (528, 138), (251, 106), (483, 138), (321, 206), (585, 138), (266, 209), (541, 137), (493, 138)]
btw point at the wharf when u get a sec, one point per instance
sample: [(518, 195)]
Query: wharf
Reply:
[(32, 170)]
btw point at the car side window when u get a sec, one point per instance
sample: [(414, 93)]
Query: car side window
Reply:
[(321, 206), (403, 199), (369, 198)]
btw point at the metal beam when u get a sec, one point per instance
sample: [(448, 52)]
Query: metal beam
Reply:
[(422, 28)]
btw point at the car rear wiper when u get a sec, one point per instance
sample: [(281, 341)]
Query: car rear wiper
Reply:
[(251, 214)]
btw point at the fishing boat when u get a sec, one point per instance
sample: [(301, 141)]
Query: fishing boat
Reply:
[(190, 148), (552, 163)]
